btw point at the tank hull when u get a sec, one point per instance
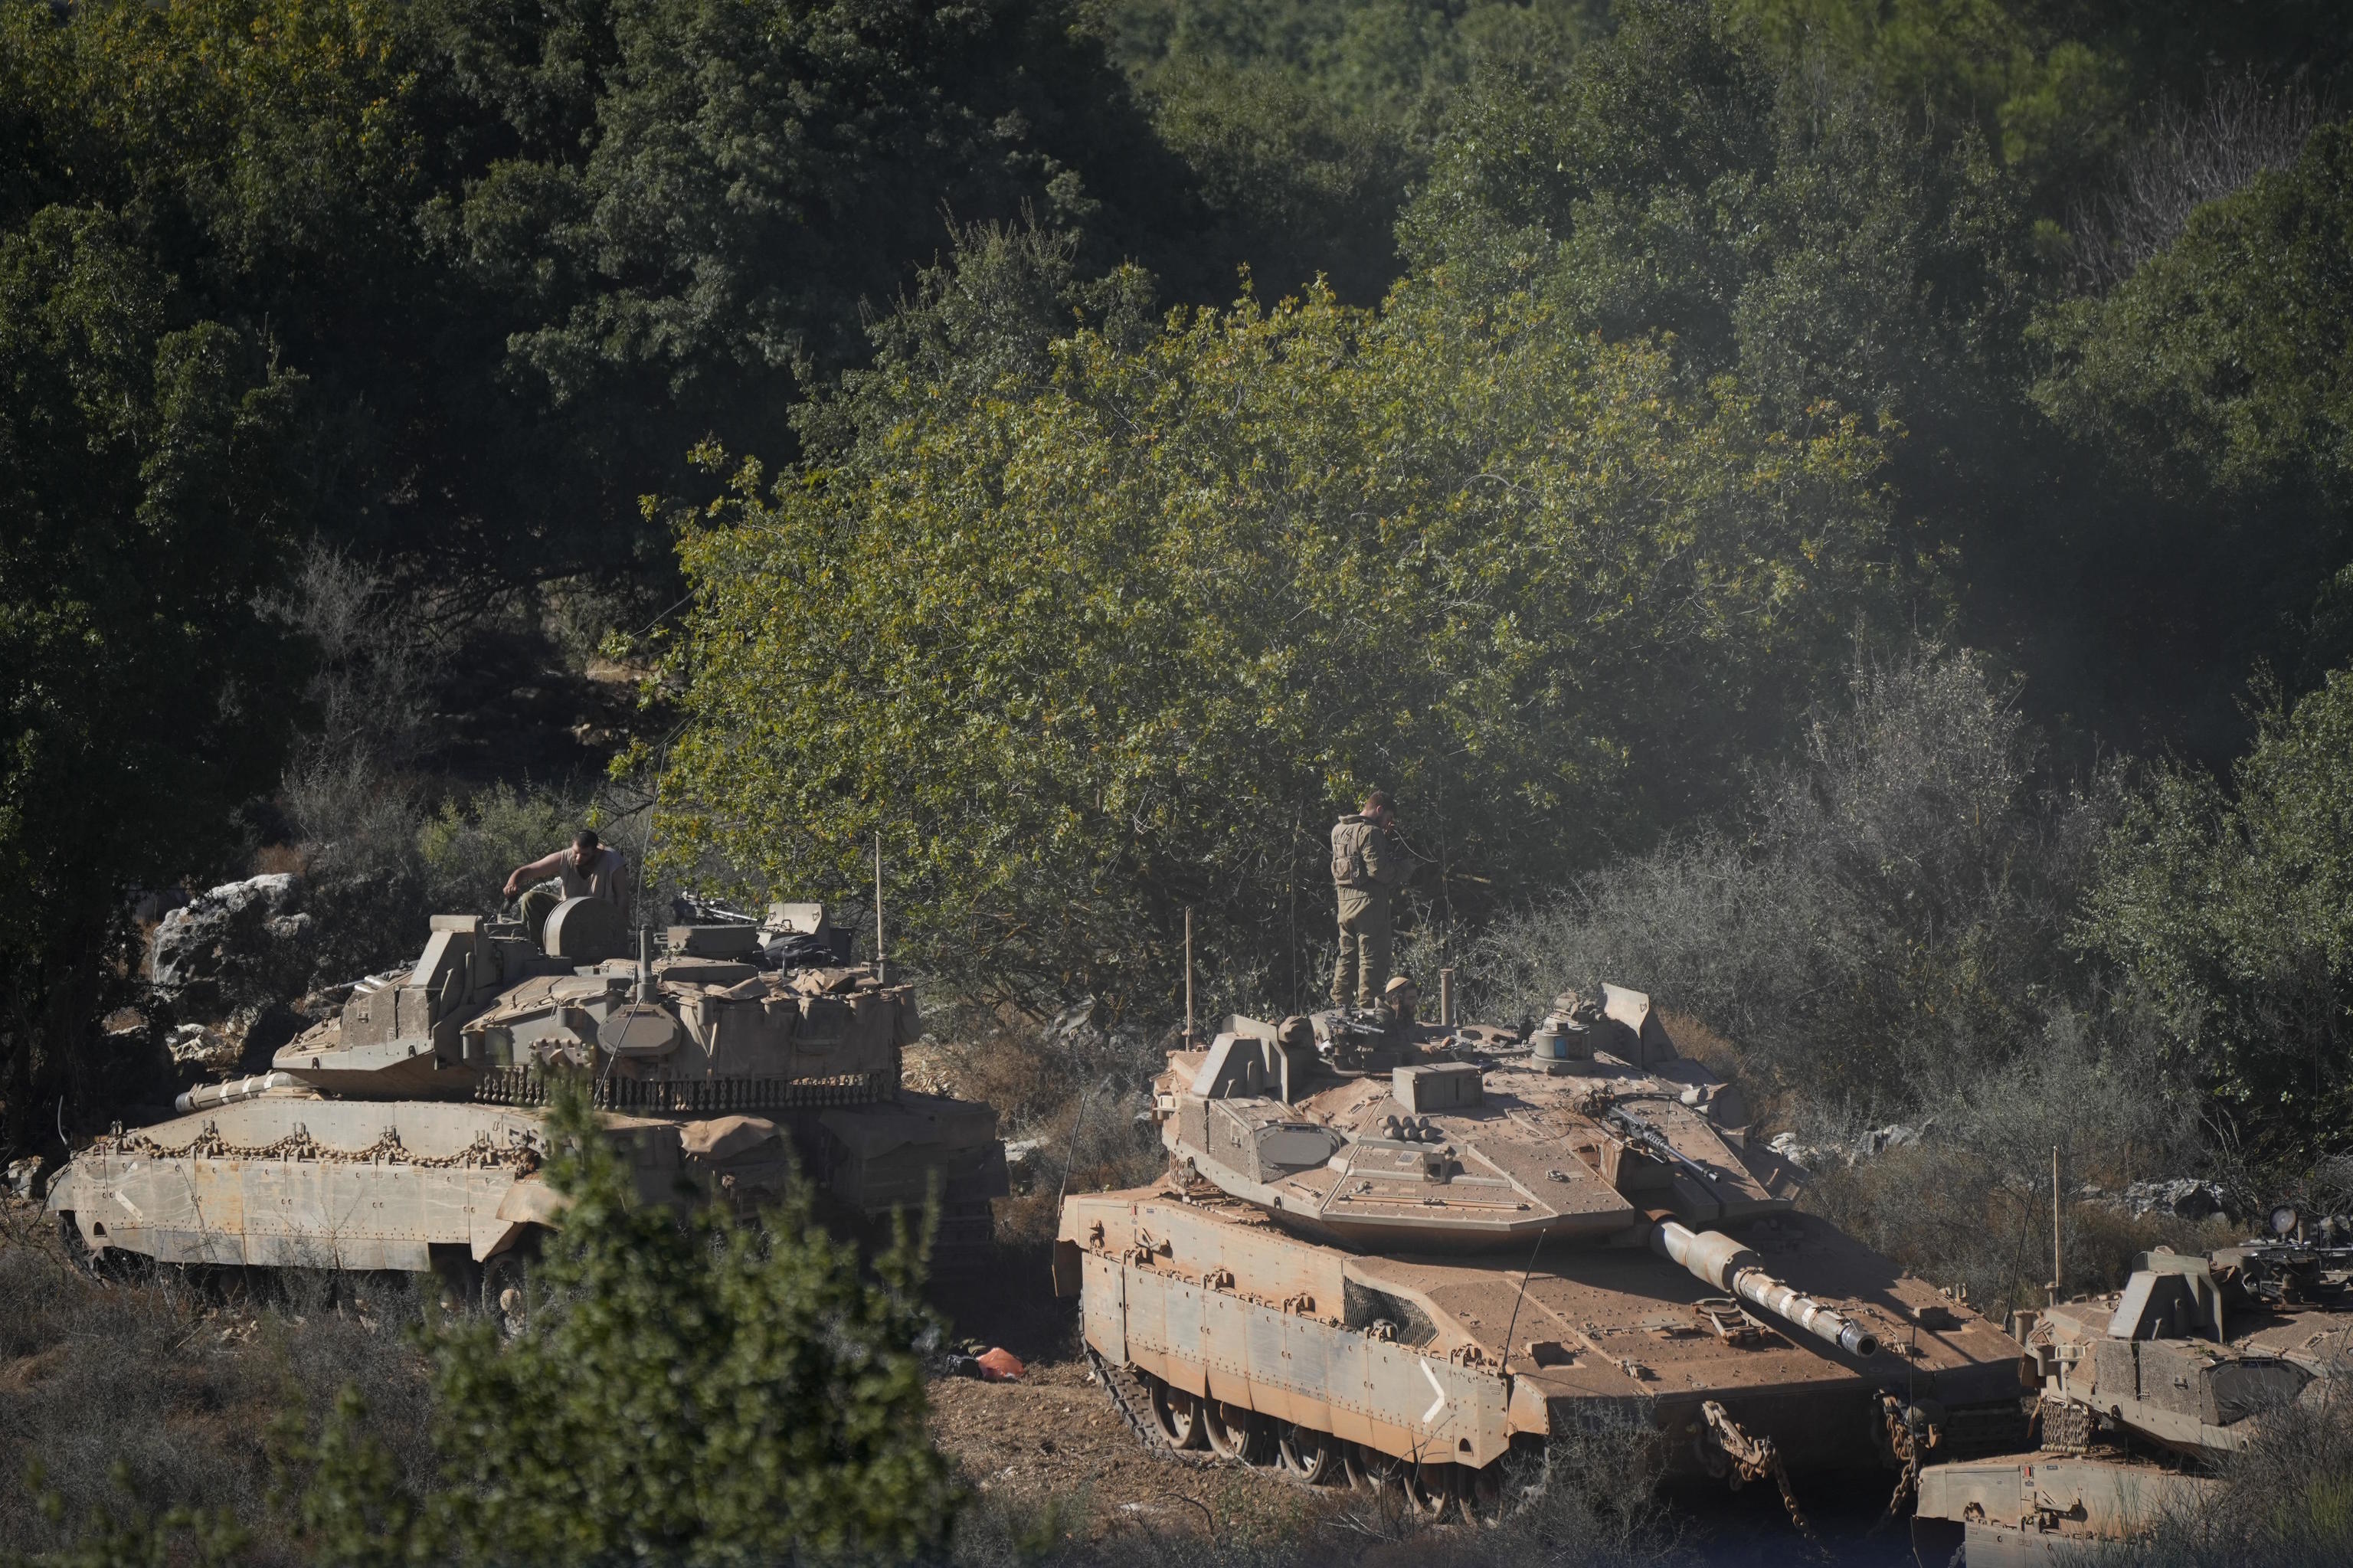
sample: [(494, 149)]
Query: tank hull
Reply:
[(1450, 1359), (2144, 1393), (298, 1180), (2047, 1508)]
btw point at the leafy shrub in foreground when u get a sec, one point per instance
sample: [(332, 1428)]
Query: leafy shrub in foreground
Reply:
[(682, 1391)]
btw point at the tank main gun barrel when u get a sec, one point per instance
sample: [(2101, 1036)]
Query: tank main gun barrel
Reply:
[(205, 1096), (1719, 1261)]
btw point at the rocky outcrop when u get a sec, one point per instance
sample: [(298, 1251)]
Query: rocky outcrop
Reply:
[(1818, 1156), (2183, 1197), (231, 946)]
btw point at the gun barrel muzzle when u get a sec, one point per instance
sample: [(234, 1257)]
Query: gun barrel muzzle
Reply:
[(1720, 1262)]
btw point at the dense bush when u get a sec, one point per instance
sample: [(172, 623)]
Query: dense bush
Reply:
[(2230, 907), (147, 496), (1880, 921), (682, 1390)]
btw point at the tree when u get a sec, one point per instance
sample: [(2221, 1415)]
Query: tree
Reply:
[(1306, 120), (1878, 924), (2223, 358), (2235, 907), (2054, 86), (1778, 221), (147, 496), (1095, 628), (528, 255)]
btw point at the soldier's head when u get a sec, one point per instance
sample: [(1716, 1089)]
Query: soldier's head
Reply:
[(1402, 998), (1376, 808), (584, 846)]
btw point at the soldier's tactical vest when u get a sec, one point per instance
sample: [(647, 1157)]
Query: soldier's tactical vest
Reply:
[(1350, 836)]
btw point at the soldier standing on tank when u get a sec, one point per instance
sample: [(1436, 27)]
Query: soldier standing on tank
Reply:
[(1368, 861), (587, 870)]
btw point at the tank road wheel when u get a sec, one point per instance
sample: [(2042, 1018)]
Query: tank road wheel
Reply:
[(1368, 1469), (1306, 1456), (1234, 1433), (507, 1283), (1177, 1414), (1489, 1496), (1430, 1488)]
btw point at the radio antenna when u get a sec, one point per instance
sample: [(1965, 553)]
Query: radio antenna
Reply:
[(1189, 1035), (1525, 1273), (879, 974)]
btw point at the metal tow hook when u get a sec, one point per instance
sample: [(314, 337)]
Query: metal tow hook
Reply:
[(1750, 1459)]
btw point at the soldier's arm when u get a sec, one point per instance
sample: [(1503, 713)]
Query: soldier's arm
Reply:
[(539, 870), (1384, 858)]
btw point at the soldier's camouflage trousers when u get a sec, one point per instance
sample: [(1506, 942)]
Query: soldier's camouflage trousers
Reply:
[(537, 905), (1364, 965)]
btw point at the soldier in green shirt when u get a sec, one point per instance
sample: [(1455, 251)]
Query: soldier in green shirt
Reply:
[(1367, 862)]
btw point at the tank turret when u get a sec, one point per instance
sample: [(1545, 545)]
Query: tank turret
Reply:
[(1390, 1248), (2141, 1390), (405, 1131), (1410, 1136)]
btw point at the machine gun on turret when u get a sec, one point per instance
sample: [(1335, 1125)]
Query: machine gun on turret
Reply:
[(1641, 1135)]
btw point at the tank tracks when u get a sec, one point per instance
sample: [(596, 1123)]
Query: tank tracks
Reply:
[(1134, 1402)]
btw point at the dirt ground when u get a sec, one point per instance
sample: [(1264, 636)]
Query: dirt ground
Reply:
[(1055, 1435)]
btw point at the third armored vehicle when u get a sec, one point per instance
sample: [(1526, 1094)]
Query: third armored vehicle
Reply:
[(405, 1133), (2141, 1390), (1391, 1250)]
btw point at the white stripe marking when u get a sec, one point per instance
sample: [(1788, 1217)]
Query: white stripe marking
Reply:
[(1436, 1404)]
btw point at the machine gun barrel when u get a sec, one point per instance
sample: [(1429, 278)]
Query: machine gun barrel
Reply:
[(1635, 1130), (1722, 1262)]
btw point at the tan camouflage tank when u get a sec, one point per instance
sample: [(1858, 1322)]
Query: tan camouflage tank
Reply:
[(2143, 1391), (1404, 1255), (407, 1133)]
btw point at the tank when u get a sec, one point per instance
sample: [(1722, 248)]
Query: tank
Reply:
[(2141, 1391), (1395, 1254), (407, 1132)]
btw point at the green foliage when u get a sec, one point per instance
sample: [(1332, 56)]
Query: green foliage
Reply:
[(2052, 84), (2224, 359), (175, 1538), (2235, 910), (528, 256), (690, 205), (470, 846), (1119, 632), (681, 1389), (1877, 925), (1306, 123), (1781, 223), (352, 1507), (145, 498), (698, 1392)]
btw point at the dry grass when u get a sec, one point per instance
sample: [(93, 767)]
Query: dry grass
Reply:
[(2287, 1500), (1953, 1217), (177, 1384)]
